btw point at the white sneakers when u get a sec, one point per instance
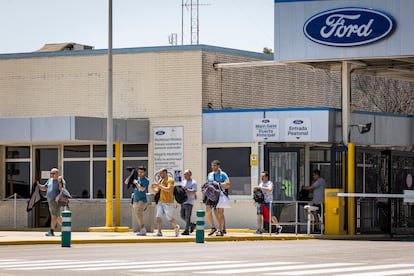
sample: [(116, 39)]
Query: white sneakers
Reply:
[(177, 230), (142, 232)]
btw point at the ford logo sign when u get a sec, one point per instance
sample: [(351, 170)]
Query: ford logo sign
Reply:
[(160, 132), (265, 121), (346, 27), (298, 122)]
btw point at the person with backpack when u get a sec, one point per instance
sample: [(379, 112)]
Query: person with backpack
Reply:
[(190, 187), (221, 180), (264, 204)]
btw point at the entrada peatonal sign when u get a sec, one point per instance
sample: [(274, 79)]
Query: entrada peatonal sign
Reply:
[(345, 27)]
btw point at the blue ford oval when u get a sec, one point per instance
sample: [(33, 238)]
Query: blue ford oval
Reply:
[(160, 132), (298, 122), (347, 27)]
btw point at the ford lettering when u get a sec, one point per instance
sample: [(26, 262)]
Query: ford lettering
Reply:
[(348, 27)]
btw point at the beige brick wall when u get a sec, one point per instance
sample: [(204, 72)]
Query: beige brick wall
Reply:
[(267, 86), (163, 86)]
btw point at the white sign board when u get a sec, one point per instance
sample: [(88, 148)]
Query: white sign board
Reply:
[(298, 129), (265, 130), (169, 150)]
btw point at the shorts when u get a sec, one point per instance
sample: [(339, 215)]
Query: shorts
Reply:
[(139, 207), (260, 208), (54, 208), (209, 202), (165, 209)]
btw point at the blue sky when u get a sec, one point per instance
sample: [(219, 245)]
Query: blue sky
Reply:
[(26, 25)]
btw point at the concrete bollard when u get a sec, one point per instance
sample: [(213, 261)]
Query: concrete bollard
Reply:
[(200, 226), (66, 228)]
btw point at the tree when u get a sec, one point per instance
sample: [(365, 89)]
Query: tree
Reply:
[(267, 51), (382, 94)]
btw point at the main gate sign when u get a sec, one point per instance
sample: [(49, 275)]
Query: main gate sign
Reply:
[(266, 130)]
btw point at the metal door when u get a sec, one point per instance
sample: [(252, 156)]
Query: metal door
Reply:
[(45, 158)]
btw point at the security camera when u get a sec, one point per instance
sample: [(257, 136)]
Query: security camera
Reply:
[(364, 128)]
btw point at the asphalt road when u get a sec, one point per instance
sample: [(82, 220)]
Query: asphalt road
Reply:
[(293, 257)]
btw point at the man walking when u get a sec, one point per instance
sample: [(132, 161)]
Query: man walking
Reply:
[(190, 186), (218, 178), (139, 203), (166, 203), (53, 187)]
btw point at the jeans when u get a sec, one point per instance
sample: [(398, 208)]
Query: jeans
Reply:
[(185, 213)]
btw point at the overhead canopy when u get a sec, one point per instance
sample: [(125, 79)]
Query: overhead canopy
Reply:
[(375, 36), (401, 67)]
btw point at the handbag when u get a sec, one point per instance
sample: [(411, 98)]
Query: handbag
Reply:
[(224, 201)]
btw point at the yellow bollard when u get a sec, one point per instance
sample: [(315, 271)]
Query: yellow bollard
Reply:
[(334, 213)]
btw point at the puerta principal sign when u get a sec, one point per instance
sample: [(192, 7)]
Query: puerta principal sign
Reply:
[(265, 130), (169, 151), (345, 27)]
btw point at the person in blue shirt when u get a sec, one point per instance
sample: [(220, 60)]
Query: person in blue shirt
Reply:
[(139, 201), (53, 186), (219, 178)]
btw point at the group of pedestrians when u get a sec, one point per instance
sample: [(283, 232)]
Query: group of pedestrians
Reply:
[(165, 205)]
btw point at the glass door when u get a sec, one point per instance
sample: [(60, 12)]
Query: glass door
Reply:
[(283, 167)]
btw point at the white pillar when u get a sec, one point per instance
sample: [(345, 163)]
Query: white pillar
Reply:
[(346, 96)]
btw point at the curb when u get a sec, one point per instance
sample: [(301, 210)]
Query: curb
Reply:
[(232, 236)]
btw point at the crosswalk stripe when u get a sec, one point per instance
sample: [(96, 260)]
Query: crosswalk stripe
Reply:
[(141, 267), (265, 267), (341, 269), (30, 263), (191, 266), (383, 273), (213, 267), (78, 264)]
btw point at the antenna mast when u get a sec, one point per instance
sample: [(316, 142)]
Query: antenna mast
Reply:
[(193, 6), (195, 31)]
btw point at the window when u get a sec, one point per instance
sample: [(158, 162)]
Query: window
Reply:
[(18, 171), (135, 151), (76, 151), (236, 163), (100, 150), (79, 166), (17, 152), (77, 178)]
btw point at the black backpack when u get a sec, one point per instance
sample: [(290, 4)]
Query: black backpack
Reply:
[(180, 194), (258, 196)]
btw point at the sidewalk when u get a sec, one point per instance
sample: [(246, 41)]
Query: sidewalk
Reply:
[(38, 237)]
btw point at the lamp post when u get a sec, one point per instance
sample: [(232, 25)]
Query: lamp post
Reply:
[(109, 128)]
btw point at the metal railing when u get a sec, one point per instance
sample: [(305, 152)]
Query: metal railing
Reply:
[(14, 196), (297, 222)]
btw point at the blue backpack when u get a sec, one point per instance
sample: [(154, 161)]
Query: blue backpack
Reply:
[(210, 191)]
